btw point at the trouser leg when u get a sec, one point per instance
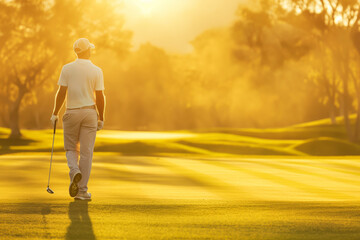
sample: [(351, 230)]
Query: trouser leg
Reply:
[(87, 141), (71, 126), (72, 161)]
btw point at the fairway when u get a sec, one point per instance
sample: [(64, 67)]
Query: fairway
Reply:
[(180, 119), (249, 197)]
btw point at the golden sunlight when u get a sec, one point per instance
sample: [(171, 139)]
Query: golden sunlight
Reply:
[(138, 135), (209, 119), (173, 24), (146, 6)]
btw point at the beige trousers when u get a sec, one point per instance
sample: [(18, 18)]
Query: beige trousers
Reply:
[(80, 127)]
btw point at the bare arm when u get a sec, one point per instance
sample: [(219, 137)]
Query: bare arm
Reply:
[(100, 104), (59, 99)]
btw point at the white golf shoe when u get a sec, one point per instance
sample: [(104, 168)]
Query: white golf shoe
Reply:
[(73, 188), (83, 196)]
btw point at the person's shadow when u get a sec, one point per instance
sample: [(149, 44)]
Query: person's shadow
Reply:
[(80, 226)]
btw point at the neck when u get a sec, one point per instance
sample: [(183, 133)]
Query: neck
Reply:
[(84, 55)]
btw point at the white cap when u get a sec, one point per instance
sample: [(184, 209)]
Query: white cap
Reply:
[(82, 44)]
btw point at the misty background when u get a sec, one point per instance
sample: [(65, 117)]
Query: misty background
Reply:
[(270, 63)]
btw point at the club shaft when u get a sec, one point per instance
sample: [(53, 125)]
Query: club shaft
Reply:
[(52, 151)]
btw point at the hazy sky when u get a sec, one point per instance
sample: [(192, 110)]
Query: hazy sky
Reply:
[(171, 24)]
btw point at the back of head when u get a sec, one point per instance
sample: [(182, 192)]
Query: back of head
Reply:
[(82, 47)]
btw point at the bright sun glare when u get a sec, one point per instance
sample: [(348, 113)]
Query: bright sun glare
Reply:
[(146, 6)]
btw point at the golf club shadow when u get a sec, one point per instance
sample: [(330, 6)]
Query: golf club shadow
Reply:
[(80, 226)]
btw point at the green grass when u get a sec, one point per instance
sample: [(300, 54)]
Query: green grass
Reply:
[(318, 138), (179, 220), (135, 197), (203, 184), (325, 146), (295, 133), (327, 121)]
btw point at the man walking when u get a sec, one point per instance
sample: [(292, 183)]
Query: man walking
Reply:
[(83, 83)]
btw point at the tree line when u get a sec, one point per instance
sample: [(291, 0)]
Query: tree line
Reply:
[(281, 62)]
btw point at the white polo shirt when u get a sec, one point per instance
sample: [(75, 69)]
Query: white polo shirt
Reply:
[(82, 78)]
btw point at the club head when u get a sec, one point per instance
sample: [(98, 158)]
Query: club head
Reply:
[(49, 190)]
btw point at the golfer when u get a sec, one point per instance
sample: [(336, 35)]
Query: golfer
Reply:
[(83, 83)]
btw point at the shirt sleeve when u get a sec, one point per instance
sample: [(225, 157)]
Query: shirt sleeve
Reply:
[(99, 83), (63, 79)]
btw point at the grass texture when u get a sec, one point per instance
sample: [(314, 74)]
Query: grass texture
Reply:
[(318, 138), (183, 198)]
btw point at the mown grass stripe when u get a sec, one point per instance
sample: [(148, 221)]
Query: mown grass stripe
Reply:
[(343, 165), (320, 164), (210, 183), (304, 172), (321, 192)]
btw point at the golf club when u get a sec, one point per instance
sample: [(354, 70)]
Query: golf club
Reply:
[(52, 151)]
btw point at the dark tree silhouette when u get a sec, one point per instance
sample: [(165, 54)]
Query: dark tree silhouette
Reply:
[(36, 40)]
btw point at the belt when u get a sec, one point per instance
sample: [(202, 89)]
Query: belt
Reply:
[(85, 107)]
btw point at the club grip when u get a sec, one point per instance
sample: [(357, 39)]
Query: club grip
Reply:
[(55, 126)]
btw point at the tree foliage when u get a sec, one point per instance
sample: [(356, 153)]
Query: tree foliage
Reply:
[(37, 40)]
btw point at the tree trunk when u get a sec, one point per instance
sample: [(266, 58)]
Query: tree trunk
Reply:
[(346, 100), (357, 126), (14, 115), (331, 92), (332, 111), (357, 123)]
